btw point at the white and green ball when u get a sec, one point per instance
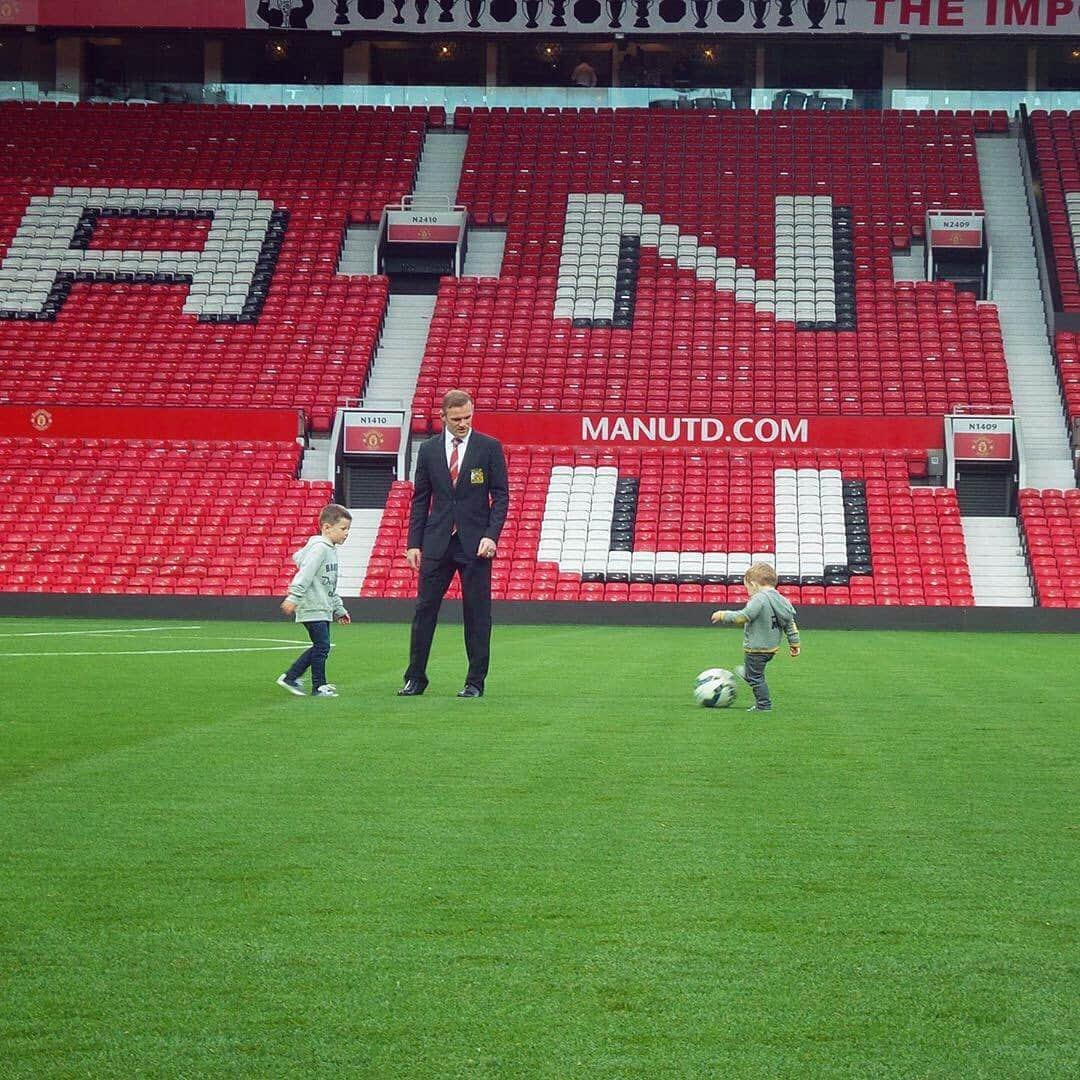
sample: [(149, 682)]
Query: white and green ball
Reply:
[(715, 688)]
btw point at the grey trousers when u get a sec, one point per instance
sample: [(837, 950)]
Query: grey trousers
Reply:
[(754, 666)]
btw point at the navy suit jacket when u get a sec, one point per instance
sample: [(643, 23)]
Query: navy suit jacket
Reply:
[(477, 504)]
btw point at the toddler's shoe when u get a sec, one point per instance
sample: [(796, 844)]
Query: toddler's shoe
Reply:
[(326, 690), (758, 708), (292, 685)]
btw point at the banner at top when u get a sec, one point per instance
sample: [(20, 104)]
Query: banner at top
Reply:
[(1043, 17), (671, 16)]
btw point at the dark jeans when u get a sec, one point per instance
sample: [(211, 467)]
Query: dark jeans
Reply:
[(435, 578), (754, 666), (315, 657)]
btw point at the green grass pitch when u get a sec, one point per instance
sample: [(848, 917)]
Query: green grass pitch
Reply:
[(580, 875)]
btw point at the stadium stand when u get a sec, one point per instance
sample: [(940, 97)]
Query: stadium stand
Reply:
[(1067, 348), (1051, 522), (142, 516), (1058, 155), (682, 525), (746, 260), (118, 330), (1059, 164)]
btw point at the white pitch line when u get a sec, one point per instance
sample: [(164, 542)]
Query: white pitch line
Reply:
[(87, 633), (158, 652)]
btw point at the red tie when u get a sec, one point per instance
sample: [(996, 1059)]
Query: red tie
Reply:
[(454, 461)]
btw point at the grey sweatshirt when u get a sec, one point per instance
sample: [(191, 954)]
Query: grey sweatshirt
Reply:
[(313, 588), (765, 615)]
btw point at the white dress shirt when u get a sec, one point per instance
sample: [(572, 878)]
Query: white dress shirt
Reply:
[(449, 445)]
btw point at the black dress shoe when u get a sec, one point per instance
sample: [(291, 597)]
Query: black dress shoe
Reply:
[(470, 691), (412, 688)]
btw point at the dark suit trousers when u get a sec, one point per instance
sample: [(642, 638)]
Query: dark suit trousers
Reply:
[(435, 578)]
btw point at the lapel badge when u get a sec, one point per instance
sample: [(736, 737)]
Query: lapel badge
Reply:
[(476, 476)]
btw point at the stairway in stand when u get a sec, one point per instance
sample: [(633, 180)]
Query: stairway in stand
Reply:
[(1000, 576)]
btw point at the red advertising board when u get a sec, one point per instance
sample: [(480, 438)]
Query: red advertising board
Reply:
[(733, 432), (136, 422), (176, 13)]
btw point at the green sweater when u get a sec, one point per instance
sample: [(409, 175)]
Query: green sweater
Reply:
[(313, 588), (766, 614)]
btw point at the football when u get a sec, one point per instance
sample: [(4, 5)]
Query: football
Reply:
[(715, 688)]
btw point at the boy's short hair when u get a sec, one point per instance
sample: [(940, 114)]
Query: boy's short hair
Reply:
[(761, 573), (454, 399), (332, 514)]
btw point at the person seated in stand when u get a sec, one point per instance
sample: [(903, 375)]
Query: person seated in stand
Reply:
[(584, 75)]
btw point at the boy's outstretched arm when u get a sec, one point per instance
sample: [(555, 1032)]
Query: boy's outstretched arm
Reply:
[(737, 618), (791, 629), (730, 618)]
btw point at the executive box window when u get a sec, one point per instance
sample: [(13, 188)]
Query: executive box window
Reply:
[(288, 57), (832, 64), (981, 64), (427, 61), (140, 65)]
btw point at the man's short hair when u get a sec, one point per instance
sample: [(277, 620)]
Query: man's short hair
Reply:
[(454, 399), (332, 514), (761, 573)]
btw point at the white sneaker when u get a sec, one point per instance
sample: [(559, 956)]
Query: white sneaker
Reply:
[(326, 690), (293, 686)]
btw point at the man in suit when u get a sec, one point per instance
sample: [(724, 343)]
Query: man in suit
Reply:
[(459, 505)]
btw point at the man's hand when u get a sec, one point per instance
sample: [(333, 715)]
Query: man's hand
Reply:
[(794, 650), (717, 617), (288, 607), (486, 550), (412, 557), (344, 618)]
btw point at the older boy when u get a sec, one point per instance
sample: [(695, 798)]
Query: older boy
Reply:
[(313, 599), (766, 614)]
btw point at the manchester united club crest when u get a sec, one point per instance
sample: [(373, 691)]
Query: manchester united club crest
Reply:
[(983, 447), (423, 234), (373, 439), (41, 419)]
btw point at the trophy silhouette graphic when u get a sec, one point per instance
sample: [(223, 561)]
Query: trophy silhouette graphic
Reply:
[(398, 5), (641, 12), (615, 10), (786, 8), (421, 11), (672, 11), (760, 8), (701, 10), (730, 11), (341, 12), (558, 13), (474, 9), (815, 12), (502, 11), (841, 11), (586, 11), (371, 9), (446, 11), (532, 9)]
